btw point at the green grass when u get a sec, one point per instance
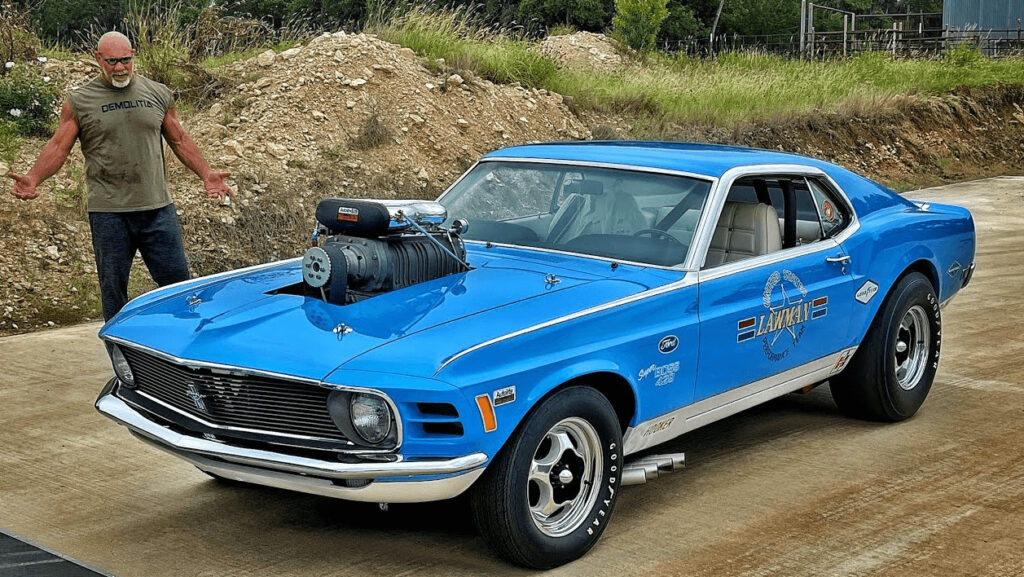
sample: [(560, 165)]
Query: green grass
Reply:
[(464, 45), (731, 89)]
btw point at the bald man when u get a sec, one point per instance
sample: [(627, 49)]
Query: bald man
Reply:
[(121, 119)]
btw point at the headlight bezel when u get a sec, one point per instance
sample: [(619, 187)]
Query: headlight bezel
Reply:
[(122, 369), (339, 407)]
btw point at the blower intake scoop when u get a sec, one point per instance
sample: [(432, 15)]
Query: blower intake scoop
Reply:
[(374, 218)]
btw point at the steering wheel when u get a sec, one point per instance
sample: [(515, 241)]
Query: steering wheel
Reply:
[(657, 232)]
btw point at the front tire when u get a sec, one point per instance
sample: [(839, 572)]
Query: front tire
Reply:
[(892, 372), (548, 495)]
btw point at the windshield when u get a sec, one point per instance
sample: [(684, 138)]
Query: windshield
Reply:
[(612, 213)]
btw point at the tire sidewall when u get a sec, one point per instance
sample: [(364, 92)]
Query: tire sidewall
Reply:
[(915, 290), (593, 407)]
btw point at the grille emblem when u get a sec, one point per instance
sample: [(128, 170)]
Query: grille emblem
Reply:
[(197, 397)]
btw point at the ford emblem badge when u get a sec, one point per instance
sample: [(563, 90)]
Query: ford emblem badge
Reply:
[(668, 344)]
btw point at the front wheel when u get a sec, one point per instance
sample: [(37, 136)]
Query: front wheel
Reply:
[(548, 495), (892, 372)]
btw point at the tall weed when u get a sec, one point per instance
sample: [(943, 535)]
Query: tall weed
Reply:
[(734, 88), (502, 56)]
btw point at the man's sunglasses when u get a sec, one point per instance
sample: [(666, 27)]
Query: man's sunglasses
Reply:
[(115, 61)]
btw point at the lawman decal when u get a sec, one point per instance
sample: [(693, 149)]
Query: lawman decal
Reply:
[(787, 312)]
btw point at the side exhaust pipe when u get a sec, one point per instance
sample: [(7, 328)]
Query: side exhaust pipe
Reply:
[(650, 467)]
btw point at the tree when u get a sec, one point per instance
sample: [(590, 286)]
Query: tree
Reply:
[(637, 22), (757, 17), (582, 14), (682, 23)]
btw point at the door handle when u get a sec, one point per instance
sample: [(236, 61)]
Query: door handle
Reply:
[(843, 260)]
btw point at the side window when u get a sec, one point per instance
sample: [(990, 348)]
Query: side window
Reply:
[(834, 215), (748, 225), (743, 231), (808, 225)]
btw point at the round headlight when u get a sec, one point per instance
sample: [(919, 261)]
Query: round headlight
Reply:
[(371, 417), (121, 368)]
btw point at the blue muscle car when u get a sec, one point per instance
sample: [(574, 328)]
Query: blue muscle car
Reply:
[(527, 337)]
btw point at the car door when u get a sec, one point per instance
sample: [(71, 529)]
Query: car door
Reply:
[(768, 319)]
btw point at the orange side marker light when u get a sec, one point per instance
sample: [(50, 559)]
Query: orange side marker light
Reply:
[(483, 402)]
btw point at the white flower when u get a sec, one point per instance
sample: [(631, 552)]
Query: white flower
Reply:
[(15, 112), (46, 79), (41, 58), (9, 65)]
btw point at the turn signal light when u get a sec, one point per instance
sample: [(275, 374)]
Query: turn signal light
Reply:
[(483, 402)]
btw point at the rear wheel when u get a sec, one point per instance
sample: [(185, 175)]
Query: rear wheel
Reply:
[(892, 372), (548, 495)]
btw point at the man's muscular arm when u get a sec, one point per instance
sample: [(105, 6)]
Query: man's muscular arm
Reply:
[(188, 153), (51, 158)]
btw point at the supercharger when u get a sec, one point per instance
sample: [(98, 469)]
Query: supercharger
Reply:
[(367, 247)]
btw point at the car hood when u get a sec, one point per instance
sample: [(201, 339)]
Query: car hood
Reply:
[(249, 321)]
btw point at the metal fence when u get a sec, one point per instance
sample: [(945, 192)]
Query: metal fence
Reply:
[(917, 42)]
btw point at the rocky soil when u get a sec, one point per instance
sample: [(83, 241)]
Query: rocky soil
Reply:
[(351, 115), (585, 50)]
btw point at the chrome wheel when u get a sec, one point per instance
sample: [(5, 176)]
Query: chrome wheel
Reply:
[(913, 343), (565, 473)]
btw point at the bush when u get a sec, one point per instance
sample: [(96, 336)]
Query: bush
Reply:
[(163, 53), (17, 41), (637, 22), (10, 141), (29, 99)]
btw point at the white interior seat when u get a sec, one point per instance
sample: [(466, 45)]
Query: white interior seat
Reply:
[(744, 230)]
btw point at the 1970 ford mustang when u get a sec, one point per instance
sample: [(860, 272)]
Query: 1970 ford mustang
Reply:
[(558, 311)]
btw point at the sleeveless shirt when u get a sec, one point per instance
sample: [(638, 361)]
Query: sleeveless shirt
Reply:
[(120, 131)]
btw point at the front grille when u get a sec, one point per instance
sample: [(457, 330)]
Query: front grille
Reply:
[(258, 403)]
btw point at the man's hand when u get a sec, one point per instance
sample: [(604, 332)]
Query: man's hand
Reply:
[(24, 186), (215, 186)]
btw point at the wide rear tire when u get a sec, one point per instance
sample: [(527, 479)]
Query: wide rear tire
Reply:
[(892, 371), (547, 496)]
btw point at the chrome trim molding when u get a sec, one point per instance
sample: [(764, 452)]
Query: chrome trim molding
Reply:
[(685, 419), (193, 364), (374, 492), (770, 258), (488, 243), (596, 164), (689, 280), (241, 371), (190, 447)]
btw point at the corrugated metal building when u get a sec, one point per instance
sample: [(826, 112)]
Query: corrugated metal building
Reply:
[(1002, 17)]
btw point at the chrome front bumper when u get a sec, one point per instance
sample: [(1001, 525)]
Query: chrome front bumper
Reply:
[(397, 481)]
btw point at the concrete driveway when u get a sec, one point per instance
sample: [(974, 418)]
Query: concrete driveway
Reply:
[(790, 488)]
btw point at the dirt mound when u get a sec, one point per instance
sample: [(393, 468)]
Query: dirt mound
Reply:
[(351, 115), (585, 50), (345, 115)]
